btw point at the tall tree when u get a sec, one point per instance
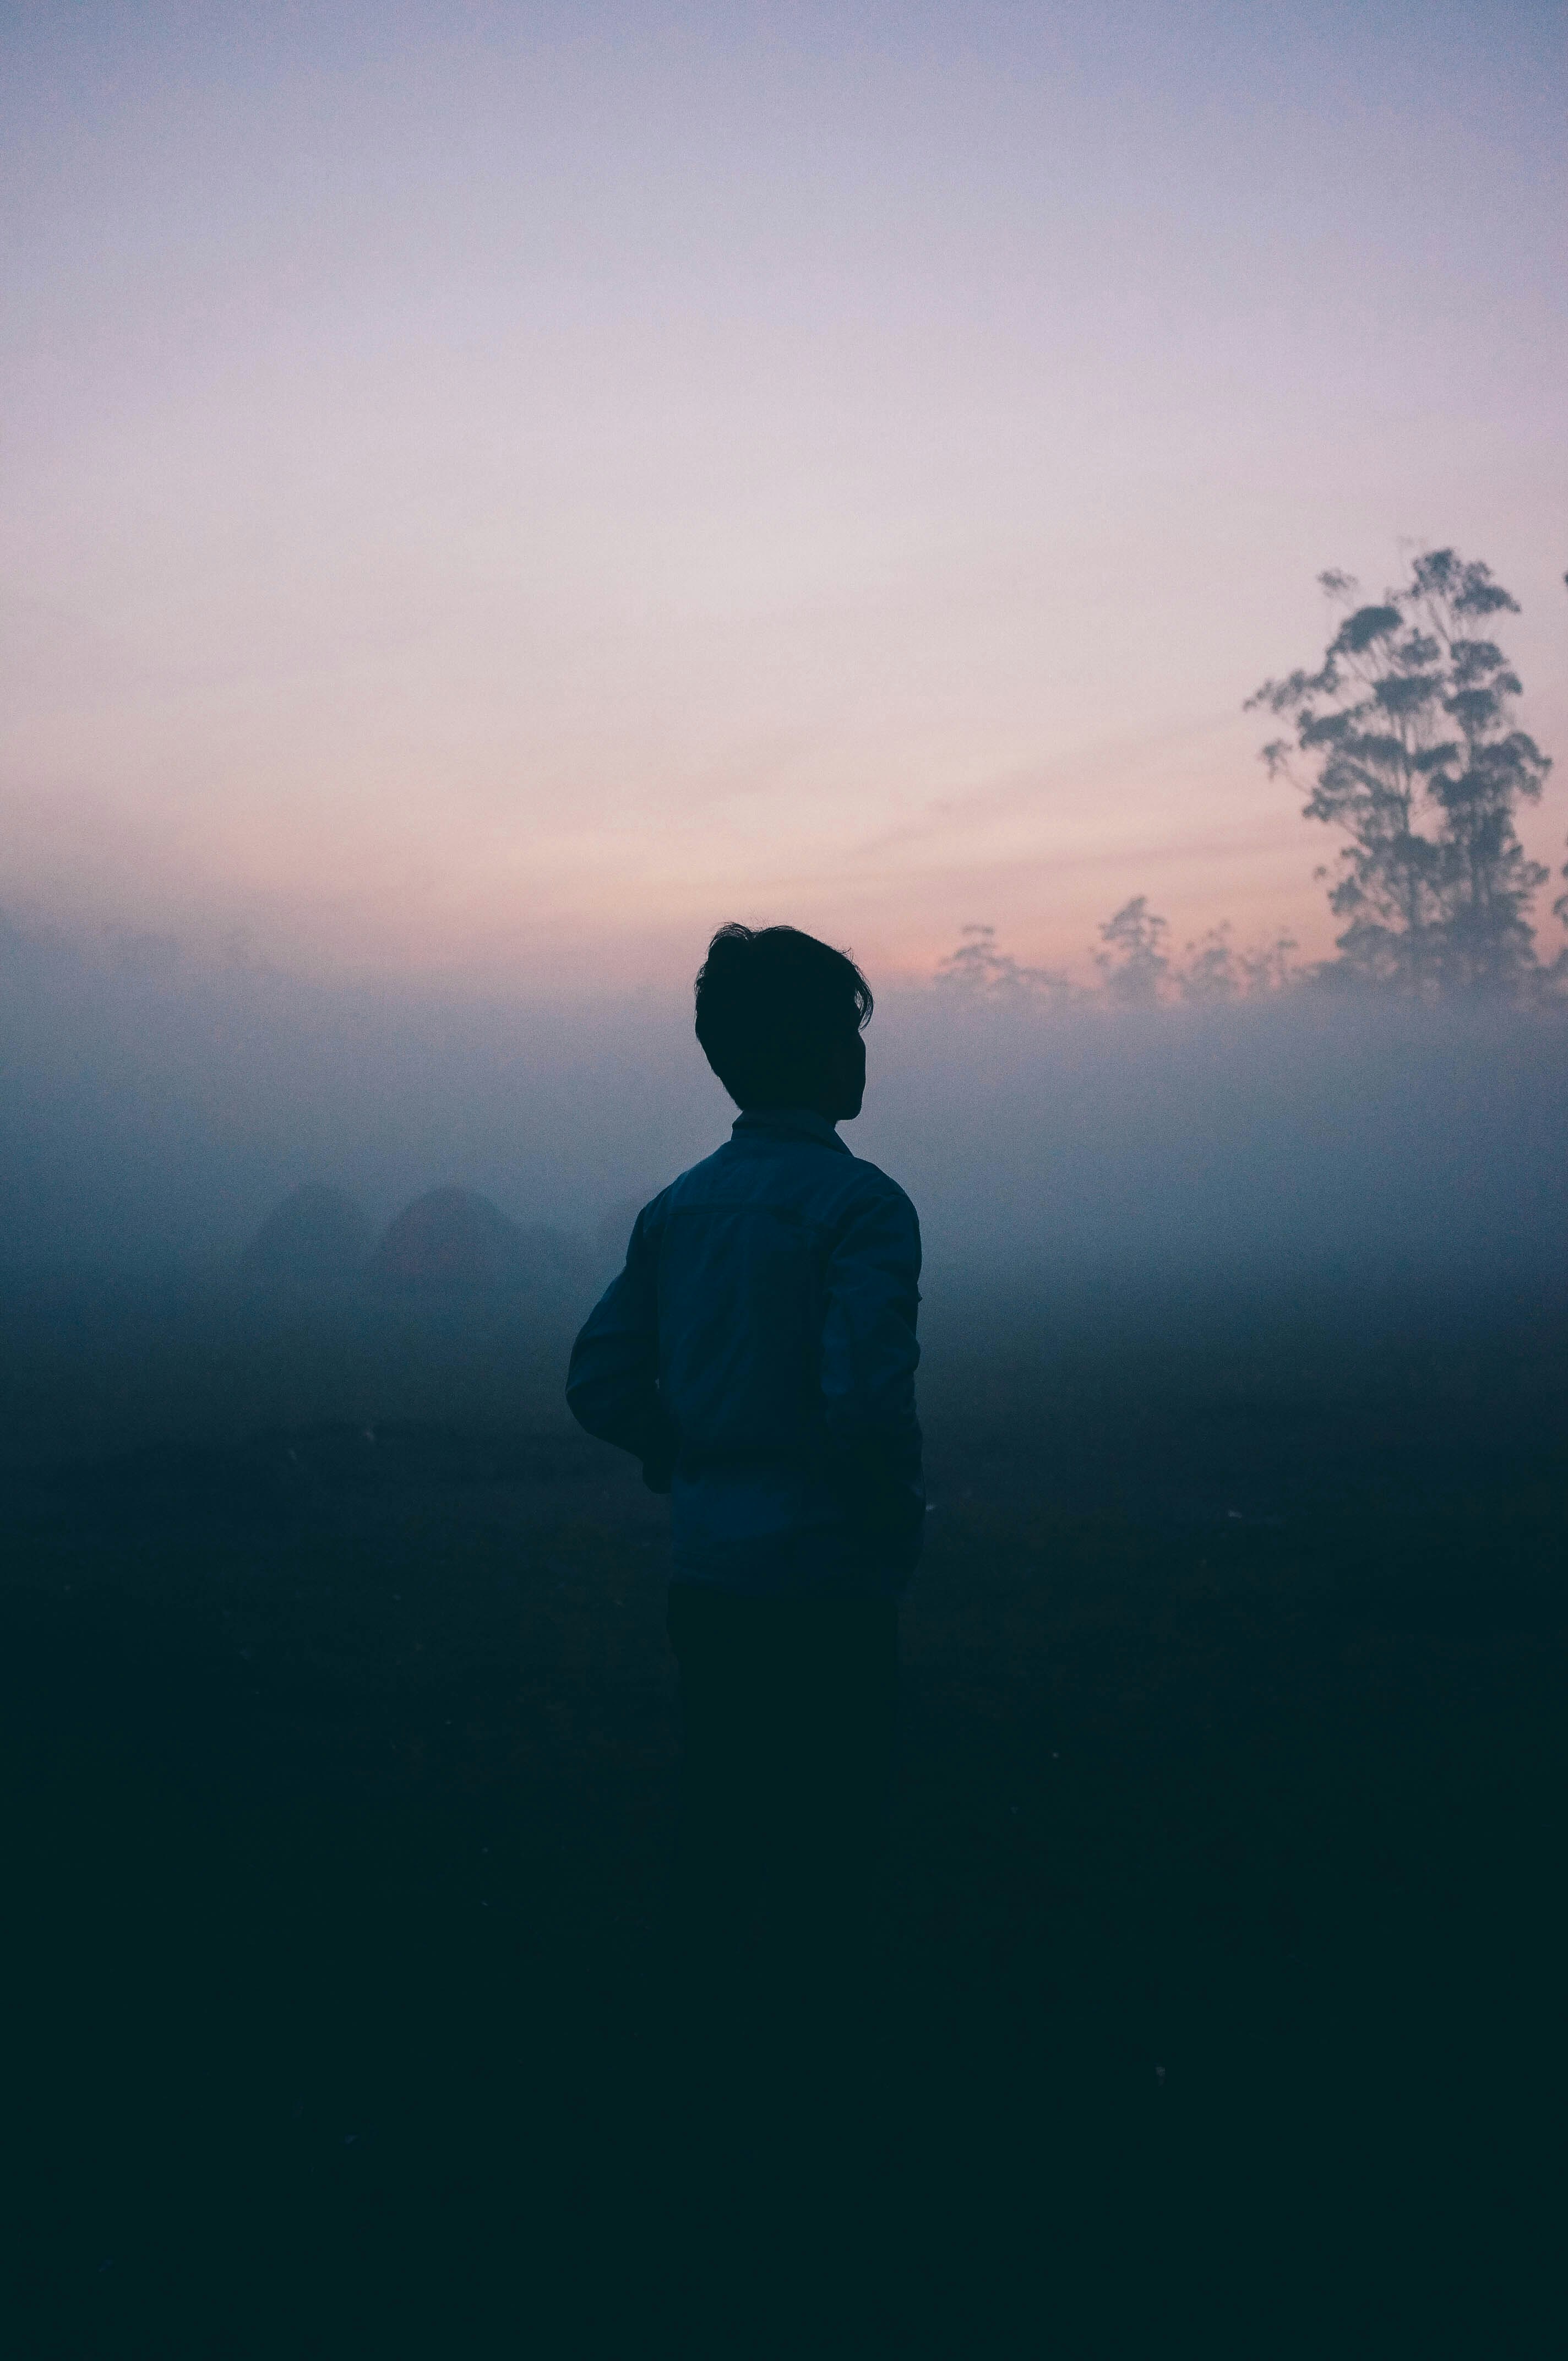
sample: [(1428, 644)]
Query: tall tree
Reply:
[(1404, 739)]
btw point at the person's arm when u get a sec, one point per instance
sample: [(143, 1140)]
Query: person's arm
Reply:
[(612, 1384), (869, 1358)]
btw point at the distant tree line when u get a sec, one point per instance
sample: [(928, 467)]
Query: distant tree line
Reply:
[(1403, 739)]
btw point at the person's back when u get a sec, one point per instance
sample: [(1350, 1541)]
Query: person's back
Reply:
[(757, 1354), (770, 1290)]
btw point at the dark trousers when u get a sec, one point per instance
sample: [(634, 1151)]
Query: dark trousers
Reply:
[(789, 1709)]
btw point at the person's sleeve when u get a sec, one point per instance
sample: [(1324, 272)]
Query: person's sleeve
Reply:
[(869, 1354), (612, 1383)]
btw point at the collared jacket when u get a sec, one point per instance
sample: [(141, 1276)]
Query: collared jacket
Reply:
[(757, 1353)]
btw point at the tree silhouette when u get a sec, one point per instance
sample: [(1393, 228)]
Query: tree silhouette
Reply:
[(1560, 907), (1214, 969), (979, 967), (1136, 971), (1134, 962), (1406, 732)]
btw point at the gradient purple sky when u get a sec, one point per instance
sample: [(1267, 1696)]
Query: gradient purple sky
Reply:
[(491, 491)]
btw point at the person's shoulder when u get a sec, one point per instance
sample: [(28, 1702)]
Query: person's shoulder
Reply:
[(871, 1186), (654, 1211), (691, 1184)]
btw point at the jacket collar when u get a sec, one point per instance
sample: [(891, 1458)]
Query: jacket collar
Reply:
[(788, 1123)]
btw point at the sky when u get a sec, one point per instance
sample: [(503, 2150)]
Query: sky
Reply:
[(493, 492)]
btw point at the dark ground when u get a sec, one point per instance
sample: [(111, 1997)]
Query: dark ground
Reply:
[(1220, 1946)]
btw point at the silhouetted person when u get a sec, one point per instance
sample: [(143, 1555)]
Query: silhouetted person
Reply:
[(757, 1354)]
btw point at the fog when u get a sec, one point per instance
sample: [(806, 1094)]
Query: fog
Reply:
[(156, 1108)]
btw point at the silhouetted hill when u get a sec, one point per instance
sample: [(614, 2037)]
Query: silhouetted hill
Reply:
[(317, 1232)]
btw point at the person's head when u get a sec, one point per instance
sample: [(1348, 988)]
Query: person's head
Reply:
[(779, 1018)]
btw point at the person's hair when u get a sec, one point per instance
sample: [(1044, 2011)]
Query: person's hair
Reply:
[(772, 1004)]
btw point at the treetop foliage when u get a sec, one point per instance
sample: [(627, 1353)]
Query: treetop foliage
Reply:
[(1136, 969), (1403, 739)]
